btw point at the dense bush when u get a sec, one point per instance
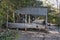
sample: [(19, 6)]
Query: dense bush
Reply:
[(58, 21), (8, 35)]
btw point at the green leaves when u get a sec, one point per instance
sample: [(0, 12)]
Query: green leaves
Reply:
[(8, 35), (58, 21), (8, 7)]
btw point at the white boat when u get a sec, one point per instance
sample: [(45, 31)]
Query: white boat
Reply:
[(34, 24), (25, 25)]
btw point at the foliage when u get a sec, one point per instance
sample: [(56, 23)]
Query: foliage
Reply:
[(52, 13), (51, 19), (33, 3), (8, 35), (58, 21), (9, 6)]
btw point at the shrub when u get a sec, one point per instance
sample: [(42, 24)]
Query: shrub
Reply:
[(8, 35)]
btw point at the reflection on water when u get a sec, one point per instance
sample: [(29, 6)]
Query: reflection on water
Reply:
[(54, 28), (37, 36), (29, 35)]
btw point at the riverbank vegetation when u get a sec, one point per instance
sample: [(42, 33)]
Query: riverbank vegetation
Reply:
[(7, 8)]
